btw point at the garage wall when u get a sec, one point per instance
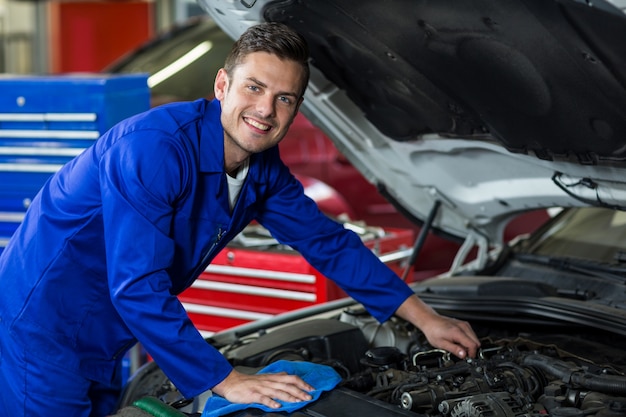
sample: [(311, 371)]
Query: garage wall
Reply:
[(17, 36), (53, 36)]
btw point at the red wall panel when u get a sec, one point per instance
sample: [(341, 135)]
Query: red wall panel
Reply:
[(86, 36)]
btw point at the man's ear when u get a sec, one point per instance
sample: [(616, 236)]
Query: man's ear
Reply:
[(221, 84)]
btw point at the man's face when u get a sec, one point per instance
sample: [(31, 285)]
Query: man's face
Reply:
[(259, 102)]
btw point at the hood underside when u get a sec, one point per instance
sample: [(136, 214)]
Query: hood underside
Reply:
[(482, 108)]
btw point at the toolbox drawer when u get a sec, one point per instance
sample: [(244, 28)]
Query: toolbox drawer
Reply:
[(45, 121)]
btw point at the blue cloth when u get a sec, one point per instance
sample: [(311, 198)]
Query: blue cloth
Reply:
[(321, 377)]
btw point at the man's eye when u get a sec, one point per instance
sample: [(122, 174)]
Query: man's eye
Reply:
[(284, 99), (253, 88)]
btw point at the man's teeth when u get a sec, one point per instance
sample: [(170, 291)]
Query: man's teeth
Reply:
[(258, 125)]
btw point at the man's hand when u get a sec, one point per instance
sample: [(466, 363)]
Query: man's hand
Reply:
[(455, 336), (263, 389)]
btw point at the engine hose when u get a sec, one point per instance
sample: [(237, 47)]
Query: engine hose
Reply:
[(608, 384), (157, 408)]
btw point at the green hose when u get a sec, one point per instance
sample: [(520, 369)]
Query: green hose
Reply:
[(157, 408)]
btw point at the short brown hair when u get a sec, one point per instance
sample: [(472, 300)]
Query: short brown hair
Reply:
[(274, 38)]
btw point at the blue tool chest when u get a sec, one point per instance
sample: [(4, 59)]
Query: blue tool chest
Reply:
[(47, 120)]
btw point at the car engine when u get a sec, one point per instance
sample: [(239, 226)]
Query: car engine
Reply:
[(390, 369)]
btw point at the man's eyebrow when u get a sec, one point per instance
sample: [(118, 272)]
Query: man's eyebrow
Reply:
[(262, 84)]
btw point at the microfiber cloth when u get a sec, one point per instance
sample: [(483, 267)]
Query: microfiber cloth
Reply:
[(320, 377)]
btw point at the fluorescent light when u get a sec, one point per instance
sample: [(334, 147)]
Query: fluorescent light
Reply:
[(180, 63)]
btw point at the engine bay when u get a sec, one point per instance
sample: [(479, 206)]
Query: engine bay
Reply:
[(511, 376), (390, 369)]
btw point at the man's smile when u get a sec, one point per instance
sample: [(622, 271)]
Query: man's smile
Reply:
[(257, 124)]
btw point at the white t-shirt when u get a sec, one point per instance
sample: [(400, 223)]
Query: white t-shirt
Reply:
[(235, 184)]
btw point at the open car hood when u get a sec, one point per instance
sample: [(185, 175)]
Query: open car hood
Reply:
[(482, 108)]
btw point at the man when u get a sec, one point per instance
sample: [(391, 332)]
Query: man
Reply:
[(123, 228)]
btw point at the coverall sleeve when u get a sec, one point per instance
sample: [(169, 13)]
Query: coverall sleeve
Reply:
[(339, 254), (140, 182)]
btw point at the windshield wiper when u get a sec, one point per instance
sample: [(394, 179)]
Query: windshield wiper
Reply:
[(604, 271)]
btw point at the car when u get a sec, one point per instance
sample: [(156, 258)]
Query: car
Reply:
[(550, 313), (466, 114)]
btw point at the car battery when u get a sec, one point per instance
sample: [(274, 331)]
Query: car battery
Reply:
[(47, 120), (255, 277)]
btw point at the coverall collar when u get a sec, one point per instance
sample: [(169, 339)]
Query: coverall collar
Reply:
[(212, 139)]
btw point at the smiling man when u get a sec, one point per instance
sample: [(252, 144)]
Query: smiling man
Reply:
[(112, 239), (259, 102)]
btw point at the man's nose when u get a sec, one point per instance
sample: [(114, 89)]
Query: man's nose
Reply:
[(266, 105)]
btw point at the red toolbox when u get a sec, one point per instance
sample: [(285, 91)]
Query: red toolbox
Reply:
[(255, 277)]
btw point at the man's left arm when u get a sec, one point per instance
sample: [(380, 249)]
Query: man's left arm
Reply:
[(340, 255)]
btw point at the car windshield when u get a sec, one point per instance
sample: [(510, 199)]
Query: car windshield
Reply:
[(589, 234), (182, 64)]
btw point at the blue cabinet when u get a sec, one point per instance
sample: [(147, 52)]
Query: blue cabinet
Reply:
[(47, 120)]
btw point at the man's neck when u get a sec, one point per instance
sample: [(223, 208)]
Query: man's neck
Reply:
[(233, 172), (236, 173), (234, 158)]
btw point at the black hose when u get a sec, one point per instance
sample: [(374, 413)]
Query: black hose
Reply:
[(608, 384)]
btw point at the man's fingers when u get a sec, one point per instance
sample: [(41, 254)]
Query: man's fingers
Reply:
[(288, 388), (469, 332), (455, 336), (462, 347), (266, 389), (268, 401), (285, 388)]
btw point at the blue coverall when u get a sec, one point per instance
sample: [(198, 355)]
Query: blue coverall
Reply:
[(122, 229)]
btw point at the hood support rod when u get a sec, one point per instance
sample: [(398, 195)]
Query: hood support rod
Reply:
[(421, 238)]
